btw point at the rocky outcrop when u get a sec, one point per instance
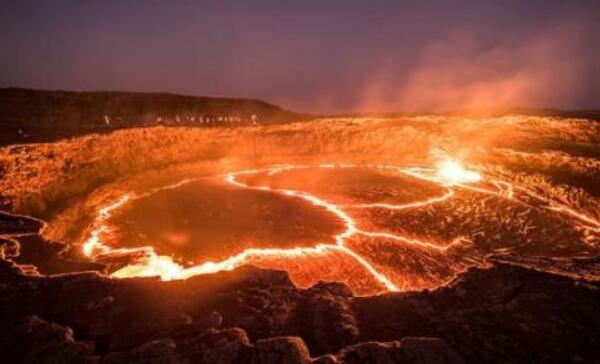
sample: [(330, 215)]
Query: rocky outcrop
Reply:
[(506, 312), (11, 224), (407, 350)]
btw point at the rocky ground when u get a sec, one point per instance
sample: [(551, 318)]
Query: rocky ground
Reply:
[(506, 312)]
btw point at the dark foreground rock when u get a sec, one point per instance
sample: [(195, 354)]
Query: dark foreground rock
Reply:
[(504, 313)]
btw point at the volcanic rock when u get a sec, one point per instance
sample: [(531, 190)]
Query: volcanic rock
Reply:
[(407, 350), (504, 312)]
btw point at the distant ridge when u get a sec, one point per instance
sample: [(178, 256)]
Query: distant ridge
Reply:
[(40, 114)]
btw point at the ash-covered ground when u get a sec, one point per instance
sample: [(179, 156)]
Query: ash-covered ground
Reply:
[(136, 246)]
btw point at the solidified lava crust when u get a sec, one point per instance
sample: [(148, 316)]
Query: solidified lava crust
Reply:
[(251, 315)]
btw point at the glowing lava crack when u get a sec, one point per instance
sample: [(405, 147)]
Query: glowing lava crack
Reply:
[(450, 175)]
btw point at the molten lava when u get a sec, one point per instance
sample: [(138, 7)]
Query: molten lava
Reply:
[(449, 175), (453, 172)]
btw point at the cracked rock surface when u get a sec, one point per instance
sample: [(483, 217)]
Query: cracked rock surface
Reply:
[(504, 313)]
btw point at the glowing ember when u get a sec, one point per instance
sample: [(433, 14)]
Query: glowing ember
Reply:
[(453, 172)]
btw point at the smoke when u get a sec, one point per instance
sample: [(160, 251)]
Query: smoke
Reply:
[(467, 71)]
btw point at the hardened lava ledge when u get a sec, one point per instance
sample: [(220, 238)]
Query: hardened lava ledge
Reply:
[(506, 311)]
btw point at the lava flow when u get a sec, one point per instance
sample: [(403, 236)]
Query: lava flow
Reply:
[(450, 176)]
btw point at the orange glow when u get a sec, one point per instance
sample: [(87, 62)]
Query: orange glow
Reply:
[(409, 205), (448, 174), (453, 172)]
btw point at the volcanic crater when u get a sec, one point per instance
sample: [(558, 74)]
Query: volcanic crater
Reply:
[(361, 247)]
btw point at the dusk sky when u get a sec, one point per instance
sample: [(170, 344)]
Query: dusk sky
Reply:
[(314, 56)]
